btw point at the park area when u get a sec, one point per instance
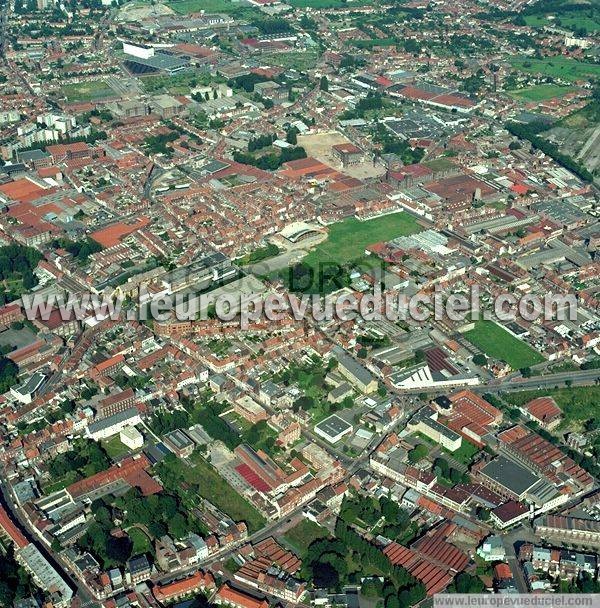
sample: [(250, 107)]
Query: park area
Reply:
[(565, 68), (303, 534), (90, 90), (301, 61), (497, 343), (204, 479)]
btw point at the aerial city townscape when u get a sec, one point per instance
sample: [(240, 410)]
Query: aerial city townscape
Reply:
[(221, 155)]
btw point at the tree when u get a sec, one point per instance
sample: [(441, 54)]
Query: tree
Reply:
[(157, 529), (441, 464), (29, 280), (118, 549), (291, 136), (514, 413), (467, 583), (455, 476), (324, 84), (178, 526), (303, 403), (483, 514), (9, 372), (418, 453), (392, 601), (480, 359), (389, 509)]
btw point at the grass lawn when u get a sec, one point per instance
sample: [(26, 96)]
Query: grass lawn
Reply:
[(578, 403), (179, 84), (348, 239), (564, 68), (214, 488), (141, 543), (302, 535), (60, 484), (465, 452), (591, 24), (115, 448), (87, 91), (231, 565), (325, 3), (496, 342), (439, 164), (183, 7), (423, 438), (541, 92)]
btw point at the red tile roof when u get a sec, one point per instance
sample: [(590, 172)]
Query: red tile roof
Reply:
[(232, 596), (22, 190), (433, 577), (182, 587), (113, 235), (502, 572), (544, 409), (130, 468), (12, 530), (509, 511)]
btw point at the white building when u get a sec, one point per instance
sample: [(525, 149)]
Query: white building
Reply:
[(111, 425), (131, 438), (143, 51), (333, 428)]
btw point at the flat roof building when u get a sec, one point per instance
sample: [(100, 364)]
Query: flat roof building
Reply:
[(508, 478), (179, 443), (359, 376), (333, 428)]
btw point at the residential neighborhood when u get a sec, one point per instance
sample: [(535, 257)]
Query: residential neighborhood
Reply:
[(300, 302)]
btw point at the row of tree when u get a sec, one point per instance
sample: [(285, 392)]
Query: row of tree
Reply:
[(530, 133), (271, 161)]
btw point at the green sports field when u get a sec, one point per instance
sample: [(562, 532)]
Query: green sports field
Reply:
[(496, 342), (184, 7), (541, 92), (348, 239), (321, 4), (90, 90), (565, 68)]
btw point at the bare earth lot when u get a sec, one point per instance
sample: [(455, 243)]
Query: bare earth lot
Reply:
[(319, 146)]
